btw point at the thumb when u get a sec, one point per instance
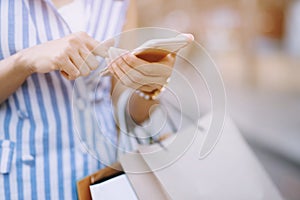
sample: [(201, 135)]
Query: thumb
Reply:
[(102, 48)]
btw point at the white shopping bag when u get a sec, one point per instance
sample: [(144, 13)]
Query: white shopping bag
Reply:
[(231, 171)]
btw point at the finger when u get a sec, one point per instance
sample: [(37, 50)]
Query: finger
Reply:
[(101, 49), (115, 53), (133, 61), (95, 46), (148, 88), (121, 76), (141, 66), (107, 71), (87, 40), (147, 68), (136, 75), (69, 70), (89, 58), (164, 67), (80, 64), (129, 81)]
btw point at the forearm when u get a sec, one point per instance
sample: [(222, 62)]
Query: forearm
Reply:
[(140, 108), (13, 73)]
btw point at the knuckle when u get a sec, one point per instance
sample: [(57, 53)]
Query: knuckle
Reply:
[(124, 80), (56, 59), (137, 79), (129, 60), (85, 54), (118, 62), (55, 66), (82, 34), (68, 49), (145, 70), (59, 59), (73, 39)]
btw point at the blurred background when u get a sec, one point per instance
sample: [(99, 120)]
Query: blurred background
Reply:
[(256, 46)]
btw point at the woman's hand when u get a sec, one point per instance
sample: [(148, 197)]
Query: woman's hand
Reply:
[(73, 55), (140, 74)]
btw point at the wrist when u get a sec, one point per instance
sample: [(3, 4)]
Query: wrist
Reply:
[(22, 63), (150, 95), (153, 94), (139, 108)]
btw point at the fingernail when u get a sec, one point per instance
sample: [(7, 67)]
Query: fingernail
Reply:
[(190, 36)]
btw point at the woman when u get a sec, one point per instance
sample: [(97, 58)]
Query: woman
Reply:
[(40, 157)]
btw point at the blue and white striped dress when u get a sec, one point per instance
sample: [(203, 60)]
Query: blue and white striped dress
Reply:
[(40, 155)]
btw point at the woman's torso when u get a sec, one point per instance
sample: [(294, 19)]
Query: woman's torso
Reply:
[(37, 122)]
